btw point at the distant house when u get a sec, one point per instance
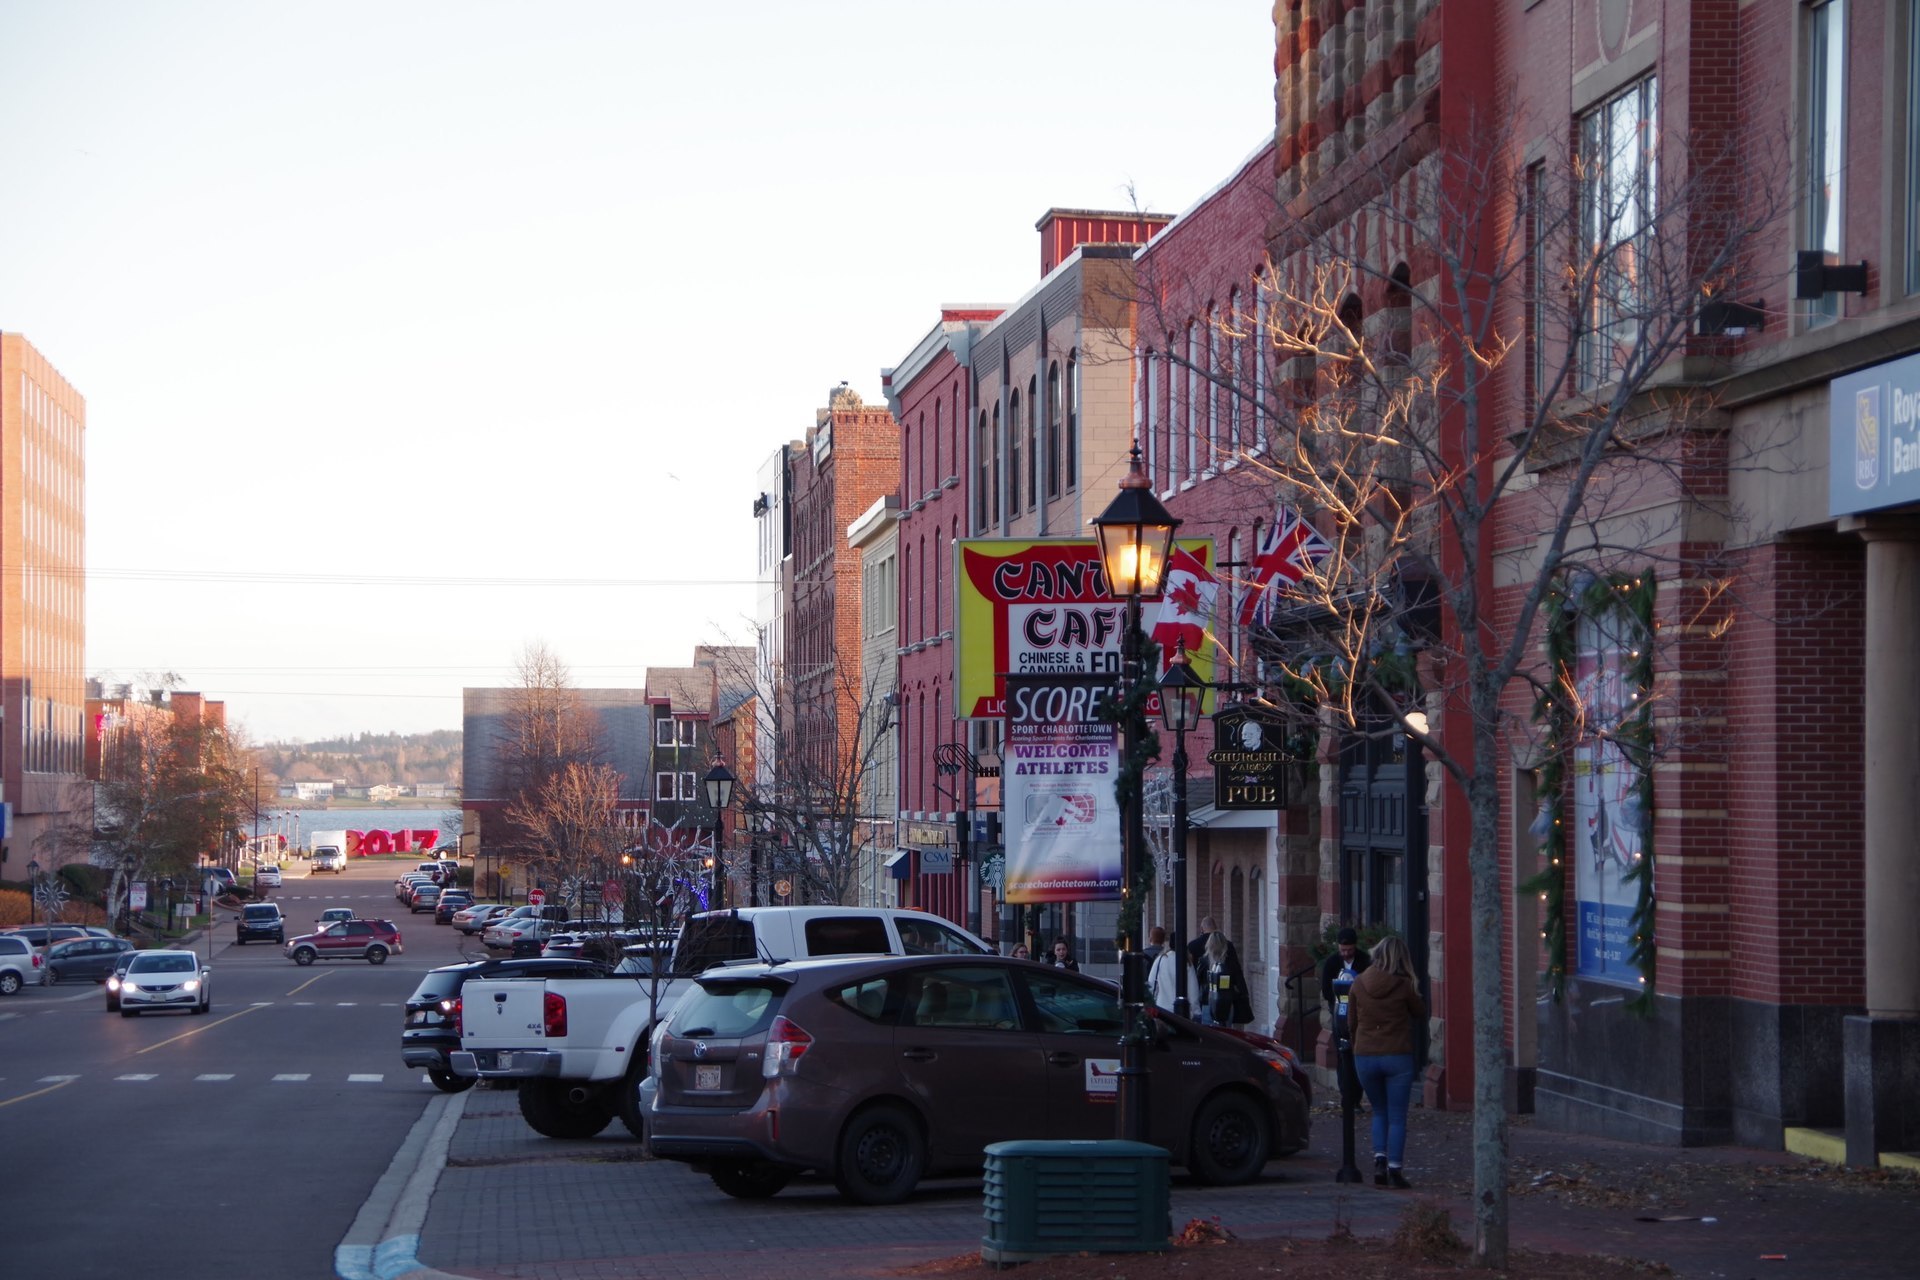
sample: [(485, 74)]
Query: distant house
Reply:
[(385, 793), (313, 790)]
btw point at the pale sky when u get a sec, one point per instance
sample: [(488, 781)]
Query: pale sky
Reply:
[(411, 333)]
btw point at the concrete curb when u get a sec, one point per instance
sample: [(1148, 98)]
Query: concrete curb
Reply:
[(384, 1241)]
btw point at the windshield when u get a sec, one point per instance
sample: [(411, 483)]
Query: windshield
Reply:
[(712, 940), (165, 964)]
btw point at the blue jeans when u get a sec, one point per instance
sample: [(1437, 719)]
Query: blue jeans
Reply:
[(1388, 1080)]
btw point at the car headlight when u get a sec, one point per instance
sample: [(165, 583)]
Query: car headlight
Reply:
[(191, 984), (113, 983)]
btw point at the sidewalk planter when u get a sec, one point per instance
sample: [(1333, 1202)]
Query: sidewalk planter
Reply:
[(1048, 1198)]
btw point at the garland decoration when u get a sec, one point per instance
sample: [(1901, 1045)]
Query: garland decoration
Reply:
[(1570, 598)]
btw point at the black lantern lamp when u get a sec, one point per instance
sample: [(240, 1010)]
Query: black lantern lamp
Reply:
[(1136, 537), (719, 783), (1180, 692)]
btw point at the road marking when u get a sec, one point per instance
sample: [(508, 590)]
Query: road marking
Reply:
[(205, 1026), (136, 1077), (366, 1079), (56, 1079), (345, 1004), (309, 982), (64, 1082), (292, 1079), (213, 1078)]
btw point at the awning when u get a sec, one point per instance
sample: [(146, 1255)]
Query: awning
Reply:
[(1233, 819), (896, 863)]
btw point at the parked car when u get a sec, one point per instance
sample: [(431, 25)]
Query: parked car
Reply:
[(451, 901), (432, 1028), (165, 980), (433, 868), (42, 936), (403, 887), (266, 876), (334, 915), (471, 920), (327, 860), (425, 898), (116, 978), (259, 920), (90, 958), (369, 940), (513, 931), (19, 963), (884, 1071), (217, 879)]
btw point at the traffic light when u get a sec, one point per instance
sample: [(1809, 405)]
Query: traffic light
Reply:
[(993, 826)]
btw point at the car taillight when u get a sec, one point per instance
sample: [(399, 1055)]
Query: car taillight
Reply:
[(554, 1014), (451, 1008), (786, 1045), (36, 959)]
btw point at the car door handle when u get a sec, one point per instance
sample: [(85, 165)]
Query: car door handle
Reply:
[(919, 1055), (1063, 1059)]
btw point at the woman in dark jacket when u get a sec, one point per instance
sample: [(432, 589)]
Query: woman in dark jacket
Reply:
[(1228, 1002), (1385, 1005)]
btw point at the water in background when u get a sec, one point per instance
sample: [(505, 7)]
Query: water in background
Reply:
[(297, 825)]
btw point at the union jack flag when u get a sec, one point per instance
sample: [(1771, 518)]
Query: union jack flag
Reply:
[(1288, 551)]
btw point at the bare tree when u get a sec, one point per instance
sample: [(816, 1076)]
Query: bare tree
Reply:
[(549, 749), (1524, 402)]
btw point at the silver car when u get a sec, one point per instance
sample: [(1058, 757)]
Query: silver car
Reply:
[(166, 980)]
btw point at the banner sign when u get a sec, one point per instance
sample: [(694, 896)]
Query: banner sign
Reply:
[(1607, 818), (368, 844), (1873, 437), (1041, 607), (1249, 761), (137, 896), (1063, 824)]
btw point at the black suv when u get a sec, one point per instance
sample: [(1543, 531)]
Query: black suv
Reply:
[(260, 920), (432, 1030)]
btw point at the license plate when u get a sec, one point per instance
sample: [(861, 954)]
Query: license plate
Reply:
[(503, 1061), (706, 1077)]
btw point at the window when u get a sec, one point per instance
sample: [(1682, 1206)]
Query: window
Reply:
[(1826, 139), (669, 732), (1033, 443), (982, 467), (1617, 156), (1211, 384), (976, 999), (1536, 285), (937, 559), (1013, 454), (996, 464), (1072, 447), (689, 786), (665, 786), (1066, 1006), (1191, 382), (1053, 429), (934, 477), (847, 936)]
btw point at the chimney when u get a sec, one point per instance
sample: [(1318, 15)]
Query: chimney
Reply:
[(1064, 230)]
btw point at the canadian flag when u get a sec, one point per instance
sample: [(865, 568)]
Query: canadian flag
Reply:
[(1288, 551), (1186, 605)]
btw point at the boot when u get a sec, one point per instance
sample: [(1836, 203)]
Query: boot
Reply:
[(1398, 1180), (1379, 1171)]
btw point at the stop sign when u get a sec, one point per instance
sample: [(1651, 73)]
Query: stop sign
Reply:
[(537, 896)]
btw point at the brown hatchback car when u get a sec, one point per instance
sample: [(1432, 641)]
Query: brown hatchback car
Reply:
[(880, 1071)]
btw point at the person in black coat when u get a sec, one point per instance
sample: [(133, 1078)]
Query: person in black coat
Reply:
[(1062, 957), (1229, 1004), (1338, 973)]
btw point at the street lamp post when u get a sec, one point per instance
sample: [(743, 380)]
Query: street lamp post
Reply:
[(1136, 541), (1180, 692), (719, 783)]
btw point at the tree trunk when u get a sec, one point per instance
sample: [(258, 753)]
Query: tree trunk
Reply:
[(1489, 1009)]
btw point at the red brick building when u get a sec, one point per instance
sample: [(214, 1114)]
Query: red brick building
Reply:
[(1777, 803)]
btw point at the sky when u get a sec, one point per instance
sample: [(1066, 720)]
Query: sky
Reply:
[(412, 334)]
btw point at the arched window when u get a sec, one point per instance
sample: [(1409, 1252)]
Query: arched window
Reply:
[(1210, 387), (1072, 444), (933, 444), (982, 473), (1053, 429), (938, 560), (959, 416), (1143, 406), (911, 457), (1236, 373), (1033, 450), (1190, 383), (997, 438), (1014, 455), (1237, 912), (1257, 917)]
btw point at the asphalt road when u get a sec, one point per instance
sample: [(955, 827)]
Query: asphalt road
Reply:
[(237, 1144)]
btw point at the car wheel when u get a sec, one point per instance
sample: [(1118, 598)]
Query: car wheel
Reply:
[(376, 955), (1230, 1141), (46, 977), (447, 1082), (126, 1012), (547, 1106), (9, 983), (303, 955), (749, 1179), (113, 1006), (205, 1006), (239, 941), (882, 1153), (632, 1114)]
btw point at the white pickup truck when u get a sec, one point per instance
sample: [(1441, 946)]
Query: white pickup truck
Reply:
[(578, 1046)]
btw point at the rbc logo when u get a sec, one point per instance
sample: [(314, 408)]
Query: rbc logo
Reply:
[(1866, 438)]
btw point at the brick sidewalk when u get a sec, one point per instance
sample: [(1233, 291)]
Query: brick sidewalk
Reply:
[(511, 1205)]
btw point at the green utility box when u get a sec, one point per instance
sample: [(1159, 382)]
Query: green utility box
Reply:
[(1047, 1198)]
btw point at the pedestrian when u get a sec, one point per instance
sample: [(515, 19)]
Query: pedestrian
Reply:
[(1228, 1002), (1197, 948), (1385, 1006), (1165, 980), (1156, 941), (1063, 956), (1337, 974), (1020, 951)]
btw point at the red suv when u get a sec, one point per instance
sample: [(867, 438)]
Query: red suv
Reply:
[(369, 940)]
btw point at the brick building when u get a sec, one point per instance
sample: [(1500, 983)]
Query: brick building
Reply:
[(43, 632)]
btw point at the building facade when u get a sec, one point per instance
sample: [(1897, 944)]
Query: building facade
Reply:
[(43, 633)]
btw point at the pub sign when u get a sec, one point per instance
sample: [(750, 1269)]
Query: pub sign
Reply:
[(1249, 760)]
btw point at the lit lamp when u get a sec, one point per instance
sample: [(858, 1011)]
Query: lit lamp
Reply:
[(719, 783), (1180, 693), (1136, 539)]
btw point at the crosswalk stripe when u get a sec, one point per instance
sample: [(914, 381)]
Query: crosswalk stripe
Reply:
[(293, 1078), (213, 1077), (366, 1079), (55, 1079), (137, 1077)]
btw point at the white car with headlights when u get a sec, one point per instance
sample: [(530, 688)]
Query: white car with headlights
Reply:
[(164, 980)]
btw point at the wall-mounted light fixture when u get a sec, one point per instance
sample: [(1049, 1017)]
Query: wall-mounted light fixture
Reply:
[(1721, 317), (1815, 277)]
